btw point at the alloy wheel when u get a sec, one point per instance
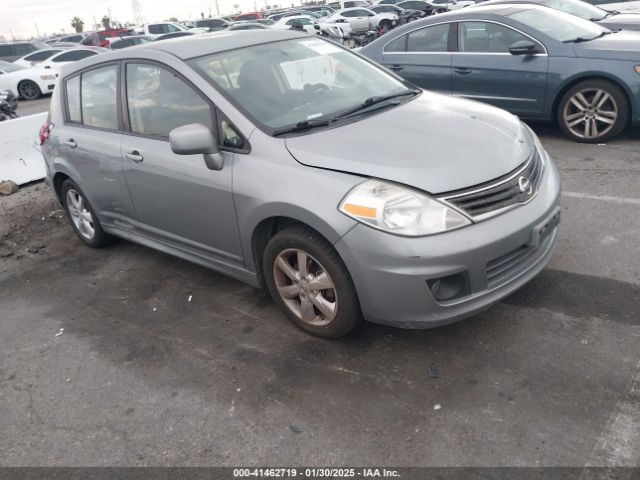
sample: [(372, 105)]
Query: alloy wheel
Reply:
[(305, 287), (80, 214), (590, 113), (28, 90)]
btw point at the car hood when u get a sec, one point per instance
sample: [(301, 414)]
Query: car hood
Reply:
[(621, 45), (434, 142), (629, 21)]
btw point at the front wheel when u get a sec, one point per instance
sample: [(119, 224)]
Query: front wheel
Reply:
[(309, 282), (593, 111), (29, 90)]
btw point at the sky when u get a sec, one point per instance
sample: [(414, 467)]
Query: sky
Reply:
[(27, 18)]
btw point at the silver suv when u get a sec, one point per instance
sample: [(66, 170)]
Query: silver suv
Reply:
[(286, 161)]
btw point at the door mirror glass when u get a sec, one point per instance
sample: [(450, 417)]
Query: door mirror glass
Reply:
[(523, 47), (196, 138)]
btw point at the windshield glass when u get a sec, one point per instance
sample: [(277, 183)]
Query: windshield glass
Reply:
[(560, 26), (578, 8), (284, 83)]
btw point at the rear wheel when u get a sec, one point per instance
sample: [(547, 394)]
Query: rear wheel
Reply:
[(385, 25), (593, 111), (82, 217), (309, 282), (29, 90)]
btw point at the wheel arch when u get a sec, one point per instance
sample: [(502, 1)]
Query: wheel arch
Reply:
[(585, 76), (264, 229)]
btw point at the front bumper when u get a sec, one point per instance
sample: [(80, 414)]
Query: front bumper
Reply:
[(497, 256)]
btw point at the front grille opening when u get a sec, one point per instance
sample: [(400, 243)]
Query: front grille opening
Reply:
[(502, 192), (450, 287)]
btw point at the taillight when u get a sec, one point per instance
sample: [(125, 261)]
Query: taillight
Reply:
[(44, 132)]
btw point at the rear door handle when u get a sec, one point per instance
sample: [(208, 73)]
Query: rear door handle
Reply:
[(462, 70), (134, 156), (71, 142), (396, 68)]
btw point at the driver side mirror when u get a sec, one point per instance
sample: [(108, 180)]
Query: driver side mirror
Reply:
[(196, 138), (524, 47)]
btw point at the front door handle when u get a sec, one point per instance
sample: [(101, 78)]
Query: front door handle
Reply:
[(462, 70), (396, 68), (134, 156), (71, 142)]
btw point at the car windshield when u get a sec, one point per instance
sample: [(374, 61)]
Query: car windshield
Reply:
[(285, 83), (560, 26), (577, 8)]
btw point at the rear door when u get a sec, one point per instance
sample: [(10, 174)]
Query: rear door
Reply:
[(483, 68), (422, 57), (178, 200), (88, 141)]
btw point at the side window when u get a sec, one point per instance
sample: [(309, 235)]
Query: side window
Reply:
[(156, 29), (74, 55), (349, 14), (429, 39), (230, 137), (397, 45), (350, 4), (98, 97), (158, 101), (172, 28), (486, 37), (6, 50), (73, 99)]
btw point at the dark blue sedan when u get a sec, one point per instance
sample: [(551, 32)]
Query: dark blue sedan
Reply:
[(533, 61)]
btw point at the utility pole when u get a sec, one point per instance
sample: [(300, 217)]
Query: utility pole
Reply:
[(37, 31), (217, 9)]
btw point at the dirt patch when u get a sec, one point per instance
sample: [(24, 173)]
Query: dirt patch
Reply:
[(30, 211)]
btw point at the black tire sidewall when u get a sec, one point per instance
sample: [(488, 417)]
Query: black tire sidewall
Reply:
[(349, 313), (100, 237), (38, 94), (613, 90)]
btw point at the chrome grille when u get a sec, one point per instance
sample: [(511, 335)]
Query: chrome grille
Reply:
[(492, 197)]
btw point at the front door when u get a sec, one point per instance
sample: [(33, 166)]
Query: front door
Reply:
[(483, 69), (422, 57), (178, 200)]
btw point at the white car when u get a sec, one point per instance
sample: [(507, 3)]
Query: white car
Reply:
[(29, 83), (69, 55), (307, 22), (450, 5), (362, 19), (38, 56), (632, 6), (160, 28)]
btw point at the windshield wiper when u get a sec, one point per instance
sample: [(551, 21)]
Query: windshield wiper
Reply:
[(582, 39), (301, 126), (373, 100), (611, 13)]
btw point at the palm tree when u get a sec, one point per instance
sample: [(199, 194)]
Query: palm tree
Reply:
[(106, 22), (77, 23)]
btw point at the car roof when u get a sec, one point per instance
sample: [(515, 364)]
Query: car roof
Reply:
[(192, 46)]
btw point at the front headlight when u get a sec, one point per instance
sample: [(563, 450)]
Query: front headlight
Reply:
[(47, 77), (396, 209)]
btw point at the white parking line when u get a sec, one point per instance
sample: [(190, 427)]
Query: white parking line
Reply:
[(617, 446), (603, 198)]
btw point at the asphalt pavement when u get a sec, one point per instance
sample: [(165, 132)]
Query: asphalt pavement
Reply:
[(127, 356)]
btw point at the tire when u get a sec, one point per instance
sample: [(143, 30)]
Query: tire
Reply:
[(593, 111), (29, 90), (300, 296), (82, 217), (385, 24)]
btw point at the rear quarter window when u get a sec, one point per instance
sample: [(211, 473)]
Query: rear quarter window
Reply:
[(73, 99)]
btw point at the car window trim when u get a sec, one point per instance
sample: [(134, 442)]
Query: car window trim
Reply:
[(80, 73), (456, 51), (215, 111)]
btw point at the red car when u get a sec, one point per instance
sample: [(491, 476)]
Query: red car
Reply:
[(248, 16), (99, 39)]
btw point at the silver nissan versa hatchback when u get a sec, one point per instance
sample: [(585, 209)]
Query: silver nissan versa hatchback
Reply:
[(286, 161)]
